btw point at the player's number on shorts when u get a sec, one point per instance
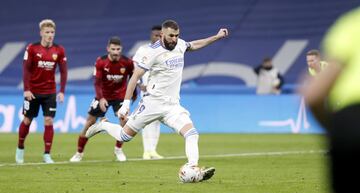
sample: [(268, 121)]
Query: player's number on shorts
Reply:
[(26, 105), (94, 104), (140, 109)]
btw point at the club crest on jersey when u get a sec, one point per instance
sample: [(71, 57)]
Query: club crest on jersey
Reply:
[(122, 70), (143, 59), (54, 56)]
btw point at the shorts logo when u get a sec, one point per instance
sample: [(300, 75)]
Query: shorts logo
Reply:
[(54, 56), (122, 70), (52, 109)]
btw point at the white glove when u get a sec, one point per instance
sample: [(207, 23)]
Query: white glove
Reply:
[(124, 110)]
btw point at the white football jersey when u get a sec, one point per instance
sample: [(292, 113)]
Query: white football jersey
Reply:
[(165, 68)]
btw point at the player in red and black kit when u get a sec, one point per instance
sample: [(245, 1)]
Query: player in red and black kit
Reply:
[(40, 62), (112, 72)]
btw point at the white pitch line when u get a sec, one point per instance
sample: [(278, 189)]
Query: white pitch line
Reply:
[(250, 154)]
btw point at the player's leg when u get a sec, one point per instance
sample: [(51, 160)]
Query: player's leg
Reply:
[(82, 140), (118, 151), (150, 136), (137, 120), (48, 104), (30, 110), (178, 118), (93, 113)]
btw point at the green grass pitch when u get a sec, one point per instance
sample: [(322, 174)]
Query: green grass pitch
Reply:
[(245, 163)]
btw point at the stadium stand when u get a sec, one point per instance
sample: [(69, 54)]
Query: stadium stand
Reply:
[(282, 29)]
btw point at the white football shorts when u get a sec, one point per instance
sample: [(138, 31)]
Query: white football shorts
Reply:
[(150, 109)]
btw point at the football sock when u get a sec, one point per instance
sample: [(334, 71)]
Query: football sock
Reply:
[(118, 144), (151, 135), (48, 137), (112, 129), (191, 146), (124, 136), (23, 132), (81, 143)]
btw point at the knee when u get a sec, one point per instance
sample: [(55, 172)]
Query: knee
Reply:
[(191, 133), (27, 120), (48, 120), (186, 128)]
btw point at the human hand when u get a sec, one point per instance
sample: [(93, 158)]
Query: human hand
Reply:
[(124, 110), (223, 32), (60, 97), (29, 95), (103, 104)]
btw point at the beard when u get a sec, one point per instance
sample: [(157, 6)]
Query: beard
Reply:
[(169, 45), (115, 57)]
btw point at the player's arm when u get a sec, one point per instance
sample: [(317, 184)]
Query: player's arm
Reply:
[(137, 74), (27, 73), (198, 44), (63, 75), (98, 84)]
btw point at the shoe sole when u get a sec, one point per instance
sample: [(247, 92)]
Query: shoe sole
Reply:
[(208, 173)]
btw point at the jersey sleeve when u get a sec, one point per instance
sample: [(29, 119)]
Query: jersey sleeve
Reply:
[(98, 73), (184, 46), (144, 57), (342, 39), (63, 69), (28, 55)]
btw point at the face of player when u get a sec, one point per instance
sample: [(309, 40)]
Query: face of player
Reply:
[(170, 38), (312, 61), (47, 36), (267, 64), (155, 36), (114, 52)]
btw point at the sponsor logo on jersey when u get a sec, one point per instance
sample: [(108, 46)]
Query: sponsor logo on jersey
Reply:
[(47, 65), (175, 62), (114, 77), (54, 56), (122, 70), (107, 69), (38, 55)]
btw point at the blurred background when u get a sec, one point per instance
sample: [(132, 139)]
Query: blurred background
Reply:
[(219, 84)]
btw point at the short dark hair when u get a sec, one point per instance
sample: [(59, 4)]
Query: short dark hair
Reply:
[(156, 27), (170, 24), (267, 59), (313, 53), (114, 40)]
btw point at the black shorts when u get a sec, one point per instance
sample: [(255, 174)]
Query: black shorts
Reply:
[(344, 143), (47, 103), (95, 110)]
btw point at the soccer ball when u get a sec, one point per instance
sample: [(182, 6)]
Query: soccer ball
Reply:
[(189, 174)]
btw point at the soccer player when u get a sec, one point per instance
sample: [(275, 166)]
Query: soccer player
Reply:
[(315, 65), (336, 102), (165, 61), (111, 76), (151, 132), (40, 62)]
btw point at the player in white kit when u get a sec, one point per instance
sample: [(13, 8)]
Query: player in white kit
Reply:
[(165, 61), (151, 132)]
